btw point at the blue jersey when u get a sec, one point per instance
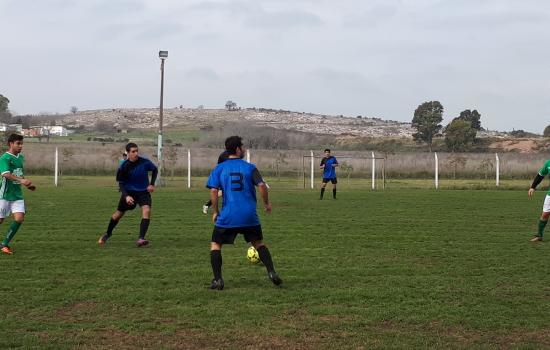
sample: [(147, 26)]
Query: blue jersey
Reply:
[(134, 176), (237, 179), (329, 172)]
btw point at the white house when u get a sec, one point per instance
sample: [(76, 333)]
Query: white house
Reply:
[(11, 127), (55, 130)]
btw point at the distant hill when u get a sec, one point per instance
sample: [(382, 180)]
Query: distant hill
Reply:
[(146, 118)]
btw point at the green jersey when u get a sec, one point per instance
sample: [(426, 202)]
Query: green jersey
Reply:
[(11, 190), (545, 170)]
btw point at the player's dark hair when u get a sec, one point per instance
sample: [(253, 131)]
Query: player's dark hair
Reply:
[(14, 137), (130, 145), (327, 150), (232, 143)]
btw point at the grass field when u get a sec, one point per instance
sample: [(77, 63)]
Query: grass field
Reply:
[(402, 268)]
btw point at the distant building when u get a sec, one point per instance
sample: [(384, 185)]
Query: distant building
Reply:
[(56, 130), (32, 132), (18, 128), (37, 131)]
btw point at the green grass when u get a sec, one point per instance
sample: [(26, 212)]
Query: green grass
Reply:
[(374, 269)]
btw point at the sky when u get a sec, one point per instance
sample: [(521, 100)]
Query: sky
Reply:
[(375, 58)]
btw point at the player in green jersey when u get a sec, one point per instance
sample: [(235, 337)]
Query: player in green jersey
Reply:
[(11, 196), (545, 170)]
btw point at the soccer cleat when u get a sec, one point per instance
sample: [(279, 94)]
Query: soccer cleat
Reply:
[(217, 284), (6, 249), (205, 209), (536, 239), (102, 240), (275, 278), (142, 242)]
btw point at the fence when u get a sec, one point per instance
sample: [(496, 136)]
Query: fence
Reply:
[(368, 169)]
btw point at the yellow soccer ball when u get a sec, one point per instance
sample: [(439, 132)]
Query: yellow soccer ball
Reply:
[(252, 255)]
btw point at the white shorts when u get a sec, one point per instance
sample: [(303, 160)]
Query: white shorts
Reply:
[(8, 207), (546, 205)]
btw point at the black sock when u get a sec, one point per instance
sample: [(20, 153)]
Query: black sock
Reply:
[(209, 203), (265, 257), (333, 193), (216, 261), (111, 227), (322, 192), (143, 228)]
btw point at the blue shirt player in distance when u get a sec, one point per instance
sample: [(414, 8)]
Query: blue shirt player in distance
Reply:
[(135, 188), (328, 165), (238, 180)]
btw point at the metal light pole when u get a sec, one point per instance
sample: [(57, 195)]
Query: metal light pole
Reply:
[(162, 55)]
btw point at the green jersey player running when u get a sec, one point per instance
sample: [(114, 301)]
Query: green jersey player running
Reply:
[(545, 170), (11, 196)]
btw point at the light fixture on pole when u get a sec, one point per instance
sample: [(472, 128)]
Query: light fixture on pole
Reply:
[(162, 55)]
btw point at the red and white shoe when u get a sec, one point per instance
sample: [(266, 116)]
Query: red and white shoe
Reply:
[(142, 242)]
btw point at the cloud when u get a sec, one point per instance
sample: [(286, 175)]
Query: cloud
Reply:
[(201, 74), (283, 19), (159, 30), (377, 14), (117, 7)]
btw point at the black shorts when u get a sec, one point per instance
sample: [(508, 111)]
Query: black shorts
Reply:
[(222, 235), (142, 198), (332, 181)]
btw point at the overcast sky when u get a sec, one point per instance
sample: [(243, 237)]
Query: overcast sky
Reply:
[(376, 58)]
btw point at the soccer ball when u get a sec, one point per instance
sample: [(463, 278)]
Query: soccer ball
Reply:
[(252, 255)]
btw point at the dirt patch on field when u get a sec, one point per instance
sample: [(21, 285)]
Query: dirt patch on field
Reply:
[(521, 146), (461, 337), (185, 339)]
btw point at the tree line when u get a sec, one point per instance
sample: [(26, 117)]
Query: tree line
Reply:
[(459, 135)]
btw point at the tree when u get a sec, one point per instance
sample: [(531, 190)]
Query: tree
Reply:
[(471, 116), (426, 121), (230, 105), (5, 115), (456, 163), (74, 109), (546, 132), (104, 126), (459, 135)]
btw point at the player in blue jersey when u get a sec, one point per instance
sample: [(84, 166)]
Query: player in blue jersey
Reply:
[(238, 180), (221, 158), (135, 188), (329, 164)]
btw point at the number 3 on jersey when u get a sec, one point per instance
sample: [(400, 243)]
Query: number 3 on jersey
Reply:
[(236, 181)]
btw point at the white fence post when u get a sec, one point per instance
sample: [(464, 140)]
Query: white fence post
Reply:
[(312, 160), (373, 170), (248, 155), (188, 168), (56, 167), (436, 171), (497, 169)]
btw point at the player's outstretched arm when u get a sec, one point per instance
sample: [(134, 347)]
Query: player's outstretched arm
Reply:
[(214, 200), (538, 179), (264, 193), (25, 182)]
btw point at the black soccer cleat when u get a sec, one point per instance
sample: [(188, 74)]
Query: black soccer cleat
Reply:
[(275, 278), (217, 284)]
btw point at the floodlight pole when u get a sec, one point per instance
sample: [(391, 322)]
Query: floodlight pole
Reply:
[(163, 55)]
